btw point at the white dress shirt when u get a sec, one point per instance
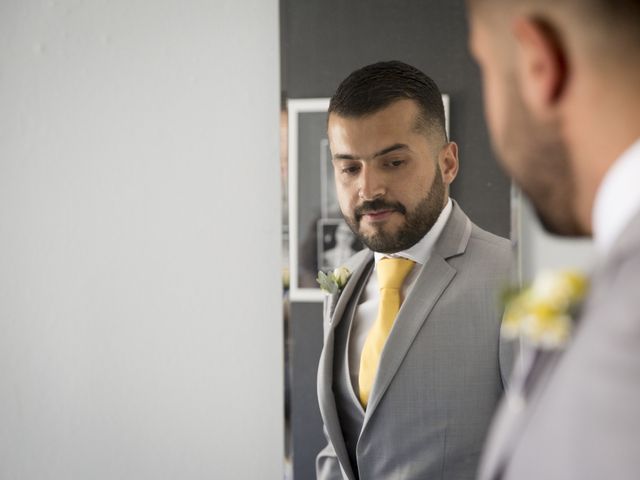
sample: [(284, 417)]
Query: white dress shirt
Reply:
[(367, 309), (617, 199)]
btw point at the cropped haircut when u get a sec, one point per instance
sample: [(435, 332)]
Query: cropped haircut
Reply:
[(376, 86)]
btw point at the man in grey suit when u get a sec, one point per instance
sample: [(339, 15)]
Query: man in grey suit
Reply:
[(562, 94), (407, 394)]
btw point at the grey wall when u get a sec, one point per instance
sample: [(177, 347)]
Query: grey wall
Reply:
[(140, 289), (540, 251), (322, 42)]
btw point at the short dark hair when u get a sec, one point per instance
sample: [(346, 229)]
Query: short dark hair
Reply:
[(374, 87)]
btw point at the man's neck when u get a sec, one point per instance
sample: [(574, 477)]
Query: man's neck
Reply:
[(421, 251), (602, 121)]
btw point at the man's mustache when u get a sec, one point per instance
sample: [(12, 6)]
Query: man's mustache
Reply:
[(377, 205)]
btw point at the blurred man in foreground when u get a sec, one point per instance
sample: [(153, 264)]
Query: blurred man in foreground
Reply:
[(562, 98)]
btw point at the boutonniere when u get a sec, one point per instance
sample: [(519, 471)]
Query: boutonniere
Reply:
[(335, 281), (542, 313)]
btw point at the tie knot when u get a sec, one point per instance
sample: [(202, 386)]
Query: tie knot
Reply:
[(392, 272)]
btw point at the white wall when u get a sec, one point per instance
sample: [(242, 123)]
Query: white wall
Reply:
[(140, 317), (540, 251)]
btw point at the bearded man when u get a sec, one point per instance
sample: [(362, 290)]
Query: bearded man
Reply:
[(412, 366)]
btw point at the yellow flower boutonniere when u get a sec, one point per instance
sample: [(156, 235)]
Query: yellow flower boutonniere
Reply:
[(335, 281), (542, 313)]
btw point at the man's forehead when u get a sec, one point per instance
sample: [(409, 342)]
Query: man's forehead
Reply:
[(396, 116)]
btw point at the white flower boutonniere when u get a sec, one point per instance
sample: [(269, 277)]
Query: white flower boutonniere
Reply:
[(542, 313), (335, 281)]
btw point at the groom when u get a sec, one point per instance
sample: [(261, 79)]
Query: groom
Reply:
[(562, 96), (411, 368)]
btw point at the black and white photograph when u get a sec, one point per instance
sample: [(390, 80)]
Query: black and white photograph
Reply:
[(336, 243)]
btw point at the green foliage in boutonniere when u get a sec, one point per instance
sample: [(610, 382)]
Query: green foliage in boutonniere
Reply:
[(335, 281), (542, 312)]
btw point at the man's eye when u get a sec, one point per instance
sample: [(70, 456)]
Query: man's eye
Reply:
[(395, 163), (350, 170)]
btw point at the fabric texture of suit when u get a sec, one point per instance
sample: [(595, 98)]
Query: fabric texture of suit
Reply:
[(439, 378), (576, 415)]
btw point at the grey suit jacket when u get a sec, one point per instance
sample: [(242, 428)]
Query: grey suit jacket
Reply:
[(439, 378), (576, 416)]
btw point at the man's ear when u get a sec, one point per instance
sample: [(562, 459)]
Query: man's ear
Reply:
[(448, 161), (541, 64)]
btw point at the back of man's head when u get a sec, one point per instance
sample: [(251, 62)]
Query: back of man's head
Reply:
[(376, 86), (606, 27)]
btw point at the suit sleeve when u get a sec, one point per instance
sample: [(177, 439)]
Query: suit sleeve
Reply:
[(327, 465), (509, 351)]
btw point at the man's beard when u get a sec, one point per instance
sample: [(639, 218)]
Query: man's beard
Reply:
[(535, 156), (417, 222)]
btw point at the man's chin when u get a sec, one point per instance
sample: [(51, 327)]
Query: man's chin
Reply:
[(377, 235), (562, 227), (381, 241)]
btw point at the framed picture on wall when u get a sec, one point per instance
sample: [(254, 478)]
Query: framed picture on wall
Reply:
[(318, 236), (336, 243)]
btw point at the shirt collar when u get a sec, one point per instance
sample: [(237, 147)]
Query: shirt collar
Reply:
[(617, 199), (421, 251)]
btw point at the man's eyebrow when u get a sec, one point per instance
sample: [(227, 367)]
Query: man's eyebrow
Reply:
[(384, 151), (392, 148)]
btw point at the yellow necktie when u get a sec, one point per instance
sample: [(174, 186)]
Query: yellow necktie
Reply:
[(391, 275)]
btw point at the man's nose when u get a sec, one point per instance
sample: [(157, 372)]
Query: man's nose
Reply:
[(371, 184)]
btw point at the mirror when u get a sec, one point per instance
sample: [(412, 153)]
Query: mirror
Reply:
[(321, 43)]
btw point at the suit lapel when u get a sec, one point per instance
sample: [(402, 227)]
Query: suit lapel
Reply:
[(507, 418), (333, 316), (431, 283), (435, 277), (358, 266)]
